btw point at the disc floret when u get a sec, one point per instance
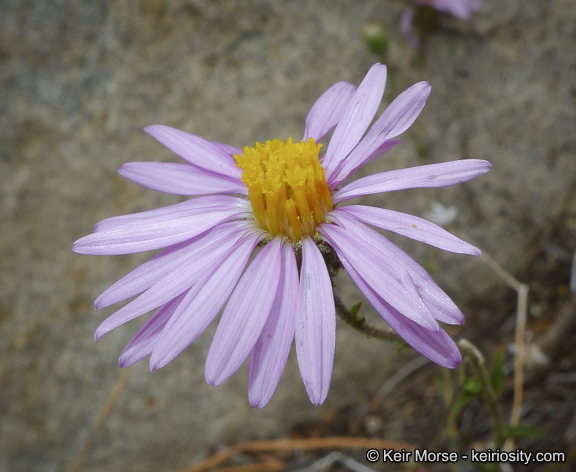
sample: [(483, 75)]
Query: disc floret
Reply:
[(286, 186)]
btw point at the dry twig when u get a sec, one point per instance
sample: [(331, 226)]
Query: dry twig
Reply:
[(521, 317), (291, 445)]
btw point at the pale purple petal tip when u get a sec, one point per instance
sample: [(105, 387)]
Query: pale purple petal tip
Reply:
[(427, 176), (411, 227), (360, 111), (438, 346), (142, 344), (462, 9), (160, 228), (385, 275), (269, 356), (437, 302), (396, 119), (404, 110), (315, 323), (327, 110)]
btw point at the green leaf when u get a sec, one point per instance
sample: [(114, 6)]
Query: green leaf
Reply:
[(470, 389), (355, 309)]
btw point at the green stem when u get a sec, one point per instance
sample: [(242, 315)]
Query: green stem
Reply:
[(477, 361), (359, 323)]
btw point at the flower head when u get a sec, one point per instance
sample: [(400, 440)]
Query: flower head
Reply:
[(282, 197), (286, 186), (462, 9)]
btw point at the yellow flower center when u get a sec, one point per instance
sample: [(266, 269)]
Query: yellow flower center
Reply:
[(286, 186)]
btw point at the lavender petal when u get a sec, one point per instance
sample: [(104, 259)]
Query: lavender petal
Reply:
[(360, 111), (403, 111), (396, 119), (428, 176), (360, 156), (180, 179), (269, 356), (384, 274), (142, 344), (172, 284), (315, 324), (196, 150), (411, 227), (201, 305), (155, 232), (227, 148), (203, 204), (327, 110), (171, 258), (438, 303), (245, 315), (438, 346)]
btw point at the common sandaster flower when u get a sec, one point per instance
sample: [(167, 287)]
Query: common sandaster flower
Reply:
[(462, 9), (283, 197)]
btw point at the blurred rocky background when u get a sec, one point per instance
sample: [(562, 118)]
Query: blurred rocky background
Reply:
[(80, 79)]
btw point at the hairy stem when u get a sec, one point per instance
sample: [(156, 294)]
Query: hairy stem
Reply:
[(359, 323)]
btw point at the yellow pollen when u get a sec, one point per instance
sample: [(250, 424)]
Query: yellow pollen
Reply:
[(286, 186)]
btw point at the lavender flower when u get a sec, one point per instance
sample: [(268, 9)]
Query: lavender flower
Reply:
[(284, 197), (462, 9)]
